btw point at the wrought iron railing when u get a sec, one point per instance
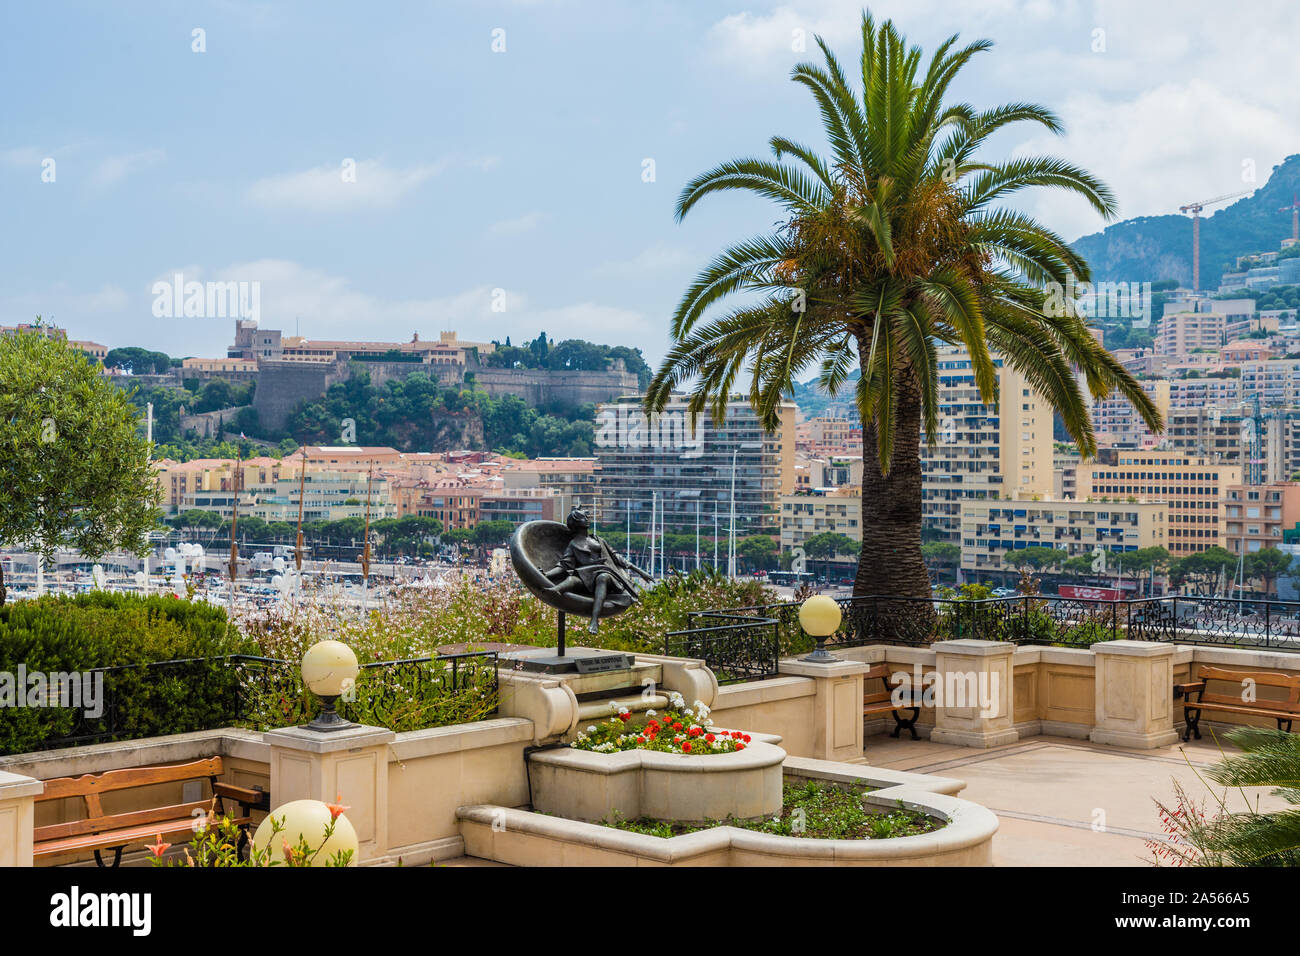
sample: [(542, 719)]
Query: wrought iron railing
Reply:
[(1046, 620), (240, 690), (736, 646)]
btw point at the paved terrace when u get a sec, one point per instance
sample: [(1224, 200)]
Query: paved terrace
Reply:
[(1046, 792)]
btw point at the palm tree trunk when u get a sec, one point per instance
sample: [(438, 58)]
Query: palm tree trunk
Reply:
[(890, 561)]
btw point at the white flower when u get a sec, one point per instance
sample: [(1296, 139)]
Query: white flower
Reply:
[(591, 729), (649, 713), (613, 707)]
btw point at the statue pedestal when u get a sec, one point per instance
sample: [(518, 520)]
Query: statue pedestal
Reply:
[(574, 660)]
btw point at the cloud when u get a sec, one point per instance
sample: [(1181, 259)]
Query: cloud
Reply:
[(1164, 109), (349, 185), (652, 261), (517, 226), (113, 169)]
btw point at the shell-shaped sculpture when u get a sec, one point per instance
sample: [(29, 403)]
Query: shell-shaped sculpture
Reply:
[(535, 548)]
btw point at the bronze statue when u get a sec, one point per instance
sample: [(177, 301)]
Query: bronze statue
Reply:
[(572, 570)]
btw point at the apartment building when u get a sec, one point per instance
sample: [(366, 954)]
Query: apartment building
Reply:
[(1192, 487), (1065, 467), (983, 451), (838, 511), (1117, 422), (993, 531), (1275, 382), (1184, 332), (326, 495), (1255, 516), (827, 435), (571, 480), (667, 467), (1203, 391), (1237, 434), (206, 483)]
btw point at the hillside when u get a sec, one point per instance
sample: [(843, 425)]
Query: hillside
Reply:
[(1150, 248)]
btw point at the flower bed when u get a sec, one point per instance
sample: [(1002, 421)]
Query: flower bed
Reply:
[(811, 810), (681, 730)]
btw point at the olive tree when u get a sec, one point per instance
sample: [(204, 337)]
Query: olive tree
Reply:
[(74, 469)]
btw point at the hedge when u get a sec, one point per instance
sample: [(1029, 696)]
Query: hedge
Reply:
[(60, 635)]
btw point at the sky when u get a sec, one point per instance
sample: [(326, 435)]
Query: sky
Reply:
[(504, 168)]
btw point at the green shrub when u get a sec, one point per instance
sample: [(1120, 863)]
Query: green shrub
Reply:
[(114, 632)]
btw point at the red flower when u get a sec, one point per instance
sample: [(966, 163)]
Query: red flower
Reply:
[(625, 717), (677, 726), (159, 848), (746, 737), (709, 737), (740, 746), (337, 808), (640, 739), (686, 747)]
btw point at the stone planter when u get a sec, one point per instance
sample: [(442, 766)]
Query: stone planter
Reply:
[(583, 785), (521, 838)]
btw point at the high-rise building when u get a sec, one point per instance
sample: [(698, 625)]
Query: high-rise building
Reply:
[(983, 451), (677, 470), (1192, 487)]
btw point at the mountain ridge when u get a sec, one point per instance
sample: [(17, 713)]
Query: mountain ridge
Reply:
[(1150, 248)]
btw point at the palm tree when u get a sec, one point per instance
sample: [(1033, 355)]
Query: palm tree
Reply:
[(894, 243), (1249, 837)]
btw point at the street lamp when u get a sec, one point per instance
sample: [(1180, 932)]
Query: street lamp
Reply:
[(731, 534), (820, 617), (329, 668)]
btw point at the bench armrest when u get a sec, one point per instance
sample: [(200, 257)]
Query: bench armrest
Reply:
[(252, 799), (1188, 688)]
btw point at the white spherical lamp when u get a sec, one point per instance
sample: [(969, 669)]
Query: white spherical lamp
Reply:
[(820, 617), (329, 668), (307, 820)]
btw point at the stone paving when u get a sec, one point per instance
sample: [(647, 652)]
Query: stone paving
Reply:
[(1064, 802)]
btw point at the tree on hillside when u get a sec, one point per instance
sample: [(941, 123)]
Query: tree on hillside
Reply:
[(901, 240), (74, 468)]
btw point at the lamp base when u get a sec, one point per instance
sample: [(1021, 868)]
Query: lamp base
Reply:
[(328, 719), (821, 656)]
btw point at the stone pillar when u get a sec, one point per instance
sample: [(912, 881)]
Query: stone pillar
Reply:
[(17, 817), (837, 707), (974, 693), (1134, 694), (349, 764)]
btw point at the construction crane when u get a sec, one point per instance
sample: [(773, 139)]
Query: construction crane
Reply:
[(1195, 209), (1294, 210)]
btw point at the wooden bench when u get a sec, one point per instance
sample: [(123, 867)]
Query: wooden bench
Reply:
[(1233, 701), (882, 701), (100, 831)]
